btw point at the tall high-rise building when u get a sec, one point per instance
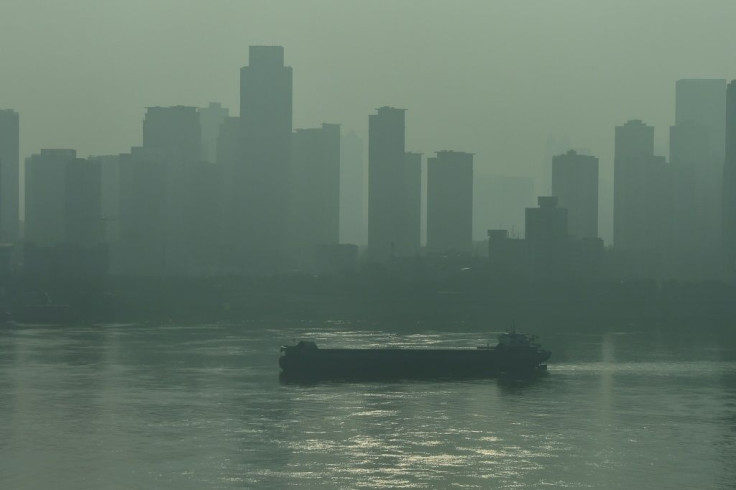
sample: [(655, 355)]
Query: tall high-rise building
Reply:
[(210, 119), (696, 208), (142, 215), (203, 219), (45, 196), (315, 191), (63, 200), (228, 143), (729, 183), (9, 176), (703, 102), (634, 150), (262, 199), (64, 224), (229, 159), (353, 208), (546, 238), (83, 206), (172, 137), (450, 203), (175, 131), (643, 203), (697, 144), (390, 234), (410, 240), (110, 168), (575, 183)]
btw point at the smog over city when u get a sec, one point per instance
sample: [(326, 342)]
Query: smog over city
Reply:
[(342, 244)]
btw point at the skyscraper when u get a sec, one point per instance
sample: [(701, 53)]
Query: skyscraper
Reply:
[(64, 226), (450, 203), (83, 204), (634, 150), (172, 137), (210, 119), (175, 131), (410, 240), (228, 143), (390, 234), (575, 183), (729, 182), (229, 160), (142, 217), (643, 203), (703, 102), (697, 144), (546, 237), (110, 167), (315, 191), (45, 196), (63, 200), (353, 209), (261, 202), (9, 176), (696, 207)]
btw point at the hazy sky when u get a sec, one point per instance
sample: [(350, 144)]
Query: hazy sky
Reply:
[(497, 78)]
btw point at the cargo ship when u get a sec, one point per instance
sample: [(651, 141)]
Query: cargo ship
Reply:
[(515, 353)]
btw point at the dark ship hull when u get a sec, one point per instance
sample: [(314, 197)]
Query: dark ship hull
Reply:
[(306, 361)]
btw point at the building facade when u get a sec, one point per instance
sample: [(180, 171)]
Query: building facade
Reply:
[(315, 191), (9, 176), (547, 239), (353, 191), (729, 184), (450, 203), (634, 151), (697, 145), (210, 121), (575, 183), (261, 194), (46, 196), (392, 188)]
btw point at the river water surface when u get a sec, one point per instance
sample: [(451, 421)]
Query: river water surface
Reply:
[(177, 407)]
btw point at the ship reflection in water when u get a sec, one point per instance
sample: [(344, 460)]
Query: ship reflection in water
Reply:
[(515, 356)]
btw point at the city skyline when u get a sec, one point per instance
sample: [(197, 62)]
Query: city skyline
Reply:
[(508, 88), (331, 244), (252, 201)]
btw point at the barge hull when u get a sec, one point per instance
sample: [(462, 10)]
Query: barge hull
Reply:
[(406, 363)]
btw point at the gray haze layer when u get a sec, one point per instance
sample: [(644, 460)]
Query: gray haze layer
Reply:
[(506, 80)]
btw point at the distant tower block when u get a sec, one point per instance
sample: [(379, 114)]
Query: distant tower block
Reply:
[(175, 132), (315, 191), (261, 202), (450, 203), (353, 195), (412, 204), (634, 147), (63, 200), (210, 119), (393, 177), (546, 237), (697, 146), (575, 183), (703, 102), (729, 182), (9, 176)]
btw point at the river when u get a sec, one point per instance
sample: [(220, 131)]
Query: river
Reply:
[(201, 406)]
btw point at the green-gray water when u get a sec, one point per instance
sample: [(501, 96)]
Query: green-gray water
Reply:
[(131, 406)]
